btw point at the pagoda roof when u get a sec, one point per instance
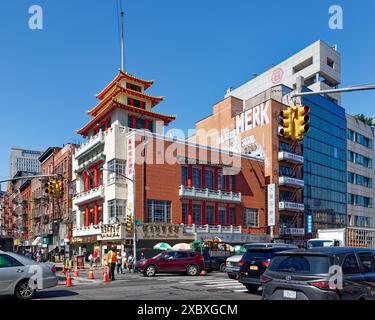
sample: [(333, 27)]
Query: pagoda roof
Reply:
[(115, 104), (116, 89), (122, 75)]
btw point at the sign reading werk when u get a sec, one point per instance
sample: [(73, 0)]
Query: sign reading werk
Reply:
[(254, 117)]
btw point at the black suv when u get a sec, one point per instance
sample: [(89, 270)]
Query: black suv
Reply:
[(330, 273), (256, 260)]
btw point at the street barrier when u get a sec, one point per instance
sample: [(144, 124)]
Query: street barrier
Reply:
[(91, 274), (69, 279)]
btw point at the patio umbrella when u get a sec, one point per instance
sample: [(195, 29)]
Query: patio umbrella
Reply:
[(162, 246), (181, 246)]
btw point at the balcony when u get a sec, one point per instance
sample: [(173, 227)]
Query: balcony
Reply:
[(291, 182), (291, 206), (195, 228), (91, 161), (91, 143), (210, 195), (290, 157), (87, 231), (88, 196)]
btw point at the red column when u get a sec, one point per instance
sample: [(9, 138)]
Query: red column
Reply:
[(96, 214), (87, 177), (203, 176), (227, 183), (216, 220), (134, 122), (190, 213), (216, 179), (87, 216), (190, 175), (147, 124), (96, 177), (204, 212), (228, 214)]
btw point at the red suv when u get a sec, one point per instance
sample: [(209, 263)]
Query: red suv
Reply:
[(187, 262)]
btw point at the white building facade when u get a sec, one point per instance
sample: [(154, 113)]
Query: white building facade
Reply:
[(24, 160)]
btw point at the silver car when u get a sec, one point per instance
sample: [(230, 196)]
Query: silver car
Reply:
[(232, 266), (21, 277)]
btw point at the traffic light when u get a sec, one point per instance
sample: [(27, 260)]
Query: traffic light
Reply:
[(129, 223), (286, 123), (49, 188), (59, 188), (301, 122)]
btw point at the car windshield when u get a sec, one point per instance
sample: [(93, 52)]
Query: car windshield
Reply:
[(320, 243), (305, 264)]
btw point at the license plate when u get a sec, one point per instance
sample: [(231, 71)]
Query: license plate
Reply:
[(290, 294), (253, 267)]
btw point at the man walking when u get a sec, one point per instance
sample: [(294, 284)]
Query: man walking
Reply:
[(112, 259)]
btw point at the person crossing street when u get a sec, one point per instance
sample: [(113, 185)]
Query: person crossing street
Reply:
[(112, 260)]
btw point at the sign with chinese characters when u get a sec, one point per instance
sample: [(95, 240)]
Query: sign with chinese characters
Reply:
[(149, 231), (234, 237), (292, 231), (271, 201), (111, 232), (130, 173)]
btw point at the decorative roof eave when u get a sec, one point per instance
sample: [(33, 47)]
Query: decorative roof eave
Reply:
[(115, 104), (154, 100), (122, 75)]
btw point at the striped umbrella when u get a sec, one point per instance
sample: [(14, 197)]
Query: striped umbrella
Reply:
[(162, 246), (181, 246)]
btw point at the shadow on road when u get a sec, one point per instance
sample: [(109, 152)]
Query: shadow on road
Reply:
[(54, 294)]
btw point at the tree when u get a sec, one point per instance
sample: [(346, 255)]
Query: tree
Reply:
[(364, 119)]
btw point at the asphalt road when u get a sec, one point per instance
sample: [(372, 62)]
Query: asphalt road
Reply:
[(214, 286)]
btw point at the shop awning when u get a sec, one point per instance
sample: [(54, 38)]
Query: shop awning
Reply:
[(37, 241)]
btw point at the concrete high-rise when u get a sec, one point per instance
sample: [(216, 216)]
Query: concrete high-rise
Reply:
[(23, 160)]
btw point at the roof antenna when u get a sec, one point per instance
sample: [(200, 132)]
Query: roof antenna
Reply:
[(122, 42)]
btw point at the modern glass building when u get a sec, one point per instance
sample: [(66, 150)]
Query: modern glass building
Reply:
[(325, 164)]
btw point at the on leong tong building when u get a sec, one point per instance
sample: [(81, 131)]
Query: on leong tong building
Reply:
[(182, 191)]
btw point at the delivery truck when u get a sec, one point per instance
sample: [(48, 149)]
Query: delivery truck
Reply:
[(344, 237)]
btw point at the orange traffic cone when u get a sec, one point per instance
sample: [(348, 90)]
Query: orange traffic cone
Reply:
[(91, 274), (63, 271), (203, 273), (105, 275), (76, 274), (68, 280)]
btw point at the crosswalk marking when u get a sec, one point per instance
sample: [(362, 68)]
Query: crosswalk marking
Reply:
[(222, 284)]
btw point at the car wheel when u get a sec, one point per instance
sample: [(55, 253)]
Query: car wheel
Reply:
[(24, 291), (231, 276), (150, 271), (192, 270), (252, 288), (222, 267)]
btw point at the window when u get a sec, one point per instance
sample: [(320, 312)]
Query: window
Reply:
[(351, 177), (182, 255), (231, 216), (136, 103), (116, 171), (8, 261), (209, 179), (116, 208), (184, 175), (330, 63), (251, 218), (222, 182), (350, 265), (303, 65), (159, 211), (210, 214), (134, 87), (197, 214), (185, 212), (222, 215), (168, 255), (197, 182), (368, 261)]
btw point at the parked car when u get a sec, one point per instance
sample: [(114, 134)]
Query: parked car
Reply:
[(232, 266), (214, 262), (255, 261), (188, 262), (15, 272), (305, 275)]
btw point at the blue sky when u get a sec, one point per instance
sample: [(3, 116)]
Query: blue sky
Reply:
[(194, 50)]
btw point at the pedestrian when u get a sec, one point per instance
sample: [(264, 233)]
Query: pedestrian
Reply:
[(91, 259), (112, 260), (143, 256), (38, 256), (95, 256), (130, 262), (119, 264)]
